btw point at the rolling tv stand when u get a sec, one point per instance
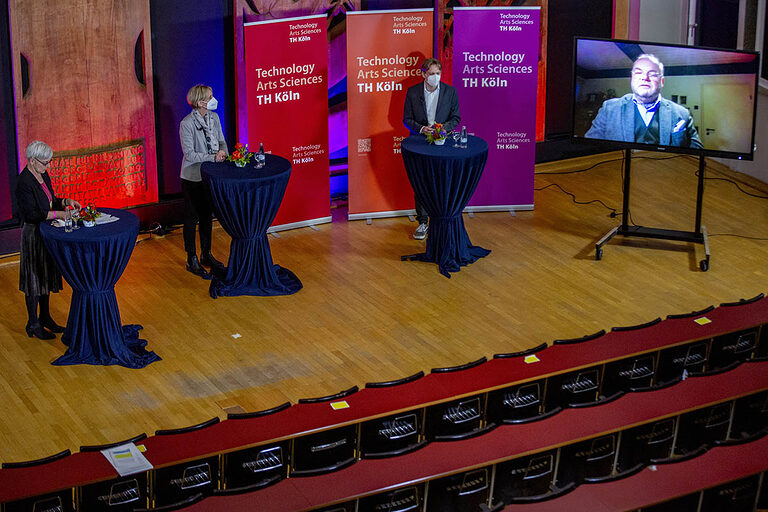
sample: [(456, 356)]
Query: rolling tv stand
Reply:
[(698, 236)]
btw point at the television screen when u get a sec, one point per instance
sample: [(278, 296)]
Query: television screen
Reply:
[(665, 97)]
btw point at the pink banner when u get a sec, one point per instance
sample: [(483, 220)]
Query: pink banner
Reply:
[(287, 89), (495, 70)]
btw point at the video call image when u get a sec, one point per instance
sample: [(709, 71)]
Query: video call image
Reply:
[(663, 95)]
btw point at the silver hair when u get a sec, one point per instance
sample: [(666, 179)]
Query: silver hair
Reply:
[(652, 58), (39, 150)]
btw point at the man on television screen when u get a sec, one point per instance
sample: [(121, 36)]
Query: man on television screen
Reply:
[(427, 103), (644, 116)]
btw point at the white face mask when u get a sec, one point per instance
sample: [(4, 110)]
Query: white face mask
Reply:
[(433, 80), (212, 104)]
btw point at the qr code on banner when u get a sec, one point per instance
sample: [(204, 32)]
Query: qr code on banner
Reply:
[(363, 145)]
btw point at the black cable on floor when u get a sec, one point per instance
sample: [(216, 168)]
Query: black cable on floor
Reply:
[(580, 170), (613, 211), (606, 162), (737, 185)]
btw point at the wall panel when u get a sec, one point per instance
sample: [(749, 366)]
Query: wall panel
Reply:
[(82, 83)]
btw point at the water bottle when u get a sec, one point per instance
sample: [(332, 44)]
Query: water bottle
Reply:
[(260, 158), (463, 139), (68, 219)]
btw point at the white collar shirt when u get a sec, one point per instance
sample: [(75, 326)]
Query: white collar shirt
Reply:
[(646, 111), (430, 100)]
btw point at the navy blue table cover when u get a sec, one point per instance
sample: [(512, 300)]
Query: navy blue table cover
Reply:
[(92, 260), (246, 201), (444, 179)]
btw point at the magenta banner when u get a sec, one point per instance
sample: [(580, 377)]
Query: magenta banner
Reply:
[(495, 72)]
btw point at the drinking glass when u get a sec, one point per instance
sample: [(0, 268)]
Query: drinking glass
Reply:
[(75, 217), (67, 221)]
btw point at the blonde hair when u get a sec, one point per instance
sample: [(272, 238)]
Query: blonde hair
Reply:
[(39, 150), (197, 94)]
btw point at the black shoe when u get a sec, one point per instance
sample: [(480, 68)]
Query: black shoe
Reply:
[(52, 326), (207, 259), (217, 268), (37, 331), (193, 265)]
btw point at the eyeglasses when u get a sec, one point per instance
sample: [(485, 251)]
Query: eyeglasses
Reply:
[(651, 75), (44, 164)]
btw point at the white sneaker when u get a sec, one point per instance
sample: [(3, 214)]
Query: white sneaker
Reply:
[(421, 231)]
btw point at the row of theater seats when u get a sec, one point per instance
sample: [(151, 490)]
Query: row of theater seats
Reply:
[(539, 476), (531, 478), (547, 475), (743, 495)]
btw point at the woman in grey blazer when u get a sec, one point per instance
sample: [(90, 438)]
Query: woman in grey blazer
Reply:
[(202, 140)]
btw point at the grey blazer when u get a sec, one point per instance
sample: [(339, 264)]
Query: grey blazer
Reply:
[(193, 145), (616, 121), (415, 109)]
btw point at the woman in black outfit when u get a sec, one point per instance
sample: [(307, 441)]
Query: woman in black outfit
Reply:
[(38, 274)]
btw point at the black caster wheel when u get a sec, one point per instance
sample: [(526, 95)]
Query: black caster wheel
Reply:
[(704, 265), (598, 254)]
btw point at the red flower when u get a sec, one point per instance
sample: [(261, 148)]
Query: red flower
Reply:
[(240, 155)]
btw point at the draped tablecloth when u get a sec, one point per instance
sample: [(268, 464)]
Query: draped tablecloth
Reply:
[(246, 201), (444, 179), (91, 261)]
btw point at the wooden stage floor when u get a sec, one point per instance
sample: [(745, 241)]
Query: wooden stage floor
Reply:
[(364, 315)]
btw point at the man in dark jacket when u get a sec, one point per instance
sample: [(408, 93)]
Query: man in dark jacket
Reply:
[(428, 103)]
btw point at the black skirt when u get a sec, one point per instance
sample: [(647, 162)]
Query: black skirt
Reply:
[(38, 273)]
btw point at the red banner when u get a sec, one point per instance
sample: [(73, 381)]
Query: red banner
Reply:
[(287, 84), (385, 50)]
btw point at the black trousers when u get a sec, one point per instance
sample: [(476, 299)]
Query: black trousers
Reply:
[(197, 209), (421, 213)]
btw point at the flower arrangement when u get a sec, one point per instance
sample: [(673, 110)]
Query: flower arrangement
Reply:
[(438, 135), (241, 156), (89, 213)]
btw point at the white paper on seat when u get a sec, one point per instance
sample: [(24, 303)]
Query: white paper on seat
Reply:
[(127, 459)]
